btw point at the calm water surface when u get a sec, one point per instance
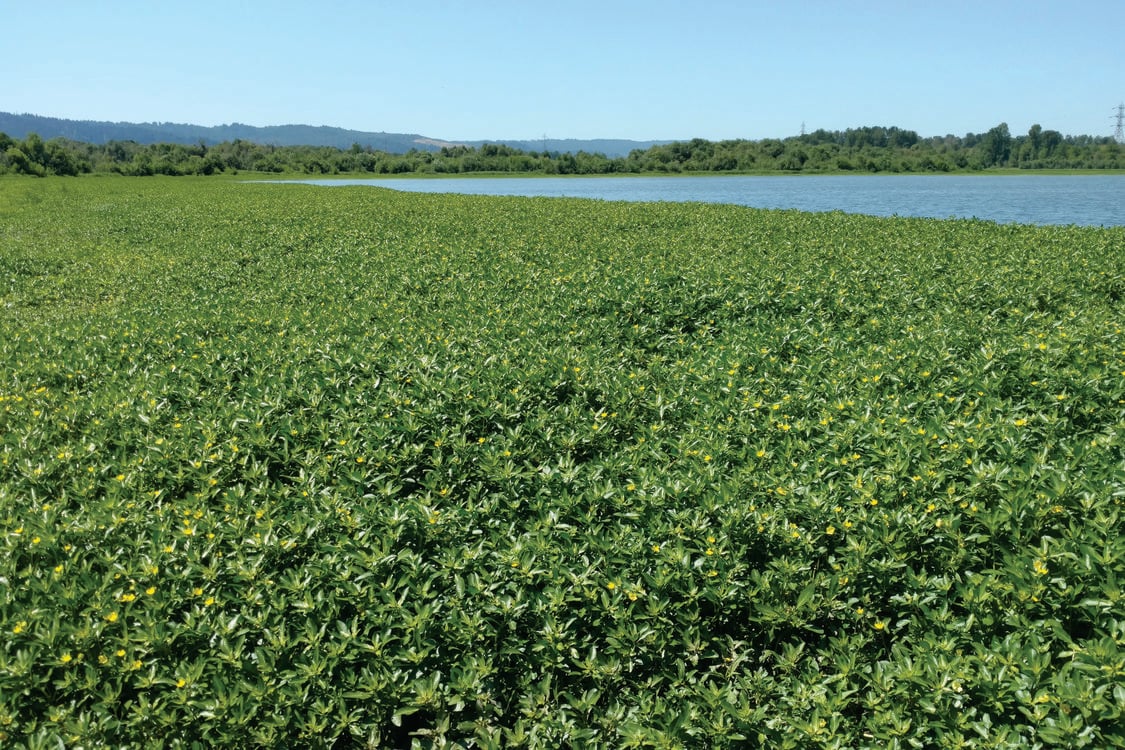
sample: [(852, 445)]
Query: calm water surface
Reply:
[(1092, 200)]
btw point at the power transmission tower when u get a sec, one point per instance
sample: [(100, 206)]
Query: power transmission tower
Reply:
[(1119, 133)]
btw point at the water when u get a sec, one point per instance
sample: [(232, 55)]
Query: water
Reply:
[(1091, 200)]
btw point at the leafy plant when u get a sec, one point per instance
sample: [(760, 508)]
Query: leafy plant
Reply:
[(289, 466)]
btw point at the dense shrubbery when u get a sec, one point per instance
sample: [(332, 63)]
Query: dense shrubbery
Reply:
[(285, 466), (873, 149)]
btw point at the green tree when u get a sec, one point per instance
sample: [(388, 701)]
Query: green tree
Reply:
[(1035, 140), (35, 149), (996, 146), (21, 164), (60, 159), (1052, 139)]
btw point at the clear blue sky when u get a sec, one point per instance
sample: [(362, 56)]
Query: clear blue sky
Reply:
[(508, 69)]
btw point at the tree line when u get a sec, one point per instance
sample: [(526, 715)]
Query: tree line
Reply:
[(865, 149)]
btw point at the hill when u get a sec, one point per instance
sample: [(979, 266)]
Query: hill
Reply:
[(99, 132)]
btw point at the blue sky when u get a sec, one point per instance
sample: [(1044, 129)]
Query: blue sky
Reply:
[(501, 69)]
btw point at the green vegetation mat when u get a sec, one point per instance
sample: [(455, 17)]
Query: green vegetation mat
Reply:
[(295, 466)]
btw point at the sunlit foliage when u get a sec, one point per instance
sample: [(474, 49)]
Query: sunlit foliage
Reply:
[(287, 466)]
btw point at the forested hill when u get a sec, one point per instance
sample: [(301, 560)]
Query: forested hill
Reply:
[(90, 131), (98, 133)]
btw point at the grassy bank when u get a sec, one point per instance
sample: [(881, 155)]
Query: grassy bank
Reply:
[(289, 466)]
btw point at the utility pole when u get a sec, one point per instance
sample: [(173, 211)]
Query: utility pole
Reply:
[(1119, 133)]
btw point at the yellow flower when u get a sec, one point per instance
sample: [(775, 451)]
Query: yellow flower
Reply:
[(20, 627), (150, 590), (879, 625), (120, 653), (127, 597), (611, 585), (181, 682), (830, 530), (111, 617), (65, 658)]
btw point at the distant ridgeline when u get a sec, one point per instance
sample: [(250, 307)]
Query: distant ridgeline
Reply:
[(99, 133), (42, 146)]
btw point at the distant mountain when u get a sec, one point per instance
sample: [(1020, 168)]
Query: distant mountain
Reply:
[(90, 131), (611, 147)]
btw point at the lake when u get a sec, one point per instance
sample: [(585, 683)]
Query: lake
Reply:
[(1087, 199)]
